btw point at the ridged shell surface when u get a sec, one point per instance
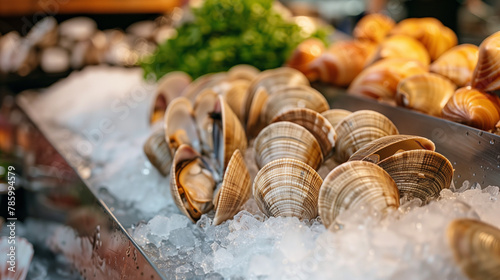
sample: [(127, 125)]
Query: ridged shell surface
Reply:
[(287, 188), (287, 140), (476, 248), (158, 152), (354, 184), (486, 76), (334, 116), (457, 64), (373, 27), (401, 46)]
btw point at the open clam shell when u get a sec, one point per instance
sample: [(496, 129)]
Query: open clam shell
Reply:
[(228, 134), (473, 107), (384, 147), (180, 126), (292, 97), (315, 123), (373, 27), (191, 183), (158, 152), (426, 93), (457, 64), (287, 188), (486, 75), (169, 87), (334, 116), (243, 72), (236, 95), (203, 107), (255, 121), (354, 184), (419, 173), (359, 129), (476, 248), (380, 80), (271, 80), (287, 140), (234, 191)]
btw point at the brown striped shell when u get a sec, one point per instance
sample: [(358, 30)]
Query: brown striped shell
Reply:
[(486, 76), (287, 140), (457, 64), (473, 107), (380, 80), (304, 53), (384, 147), (476, 248), (158, 152), (334, 116), (287, 188), (419, 173), (234, 191), (427, 93), (292, 97), (359, 129), (401, 46), (315, 123), (354, 184)]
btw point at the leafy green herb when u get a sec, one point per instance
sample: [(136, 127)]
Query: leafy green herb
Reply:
[(225, 33)]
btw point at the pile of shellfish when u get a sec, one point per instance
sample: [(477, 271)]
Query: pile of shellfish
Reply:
[(415, 63), (206, 126)]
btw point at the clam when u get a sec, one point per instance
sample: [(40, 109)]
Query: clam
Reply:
[(373, 27), (169, 87), (255, 121), (287, 140), (457, 64), (54, 60), (334, 116), (384, 147), (476, 248), (486, 75), (228, 134), (315, 123), (44, 33), (77, 28), (358, 129), (341, 63), (287, 188), (380, 80), (234, 191), (473, 107), (203, 107), (426, 93), (158, 152), (355, 184), (292, 97), (271, 80), (191, 183), (306, 52), (180, 127), (401, 46), (419, 173)]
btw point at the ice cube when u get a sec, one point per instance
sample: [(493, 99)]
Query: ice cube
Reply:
[(182, 238)]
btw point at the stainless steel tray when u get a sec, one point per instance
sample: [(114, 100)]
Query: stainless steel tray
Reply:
[(475, 154)]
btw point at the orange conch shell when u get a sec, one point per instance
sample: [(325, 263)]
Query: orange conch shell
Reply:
[(342, 62), (436, 37), (473, 107), (380, 80), (486, 75), (457, 64), (373, 27), (401, 46), (306, 52)]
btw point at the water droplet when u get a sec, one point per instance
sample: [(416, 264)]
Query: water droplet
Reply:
[(473, 174), (492, 142), (481, 167), (480, 133), (458, 176)]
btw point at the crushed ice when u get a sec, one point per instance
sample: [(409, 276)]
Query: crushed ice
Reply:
[(109, 110)]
